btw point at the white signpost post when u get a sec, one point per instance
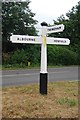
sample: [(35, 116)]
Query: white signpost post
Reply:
[(43, 40)]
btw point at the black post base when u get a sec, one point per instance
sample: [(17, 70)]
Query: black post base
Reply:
[(43, 83)]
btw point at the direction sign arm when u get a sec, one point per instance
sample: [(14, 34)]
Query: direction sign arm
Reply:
[(26, 39), (55, 29), (58, 41)]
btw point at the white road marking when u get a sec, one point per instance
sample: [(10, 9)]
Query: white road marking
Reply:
[(31, 74)]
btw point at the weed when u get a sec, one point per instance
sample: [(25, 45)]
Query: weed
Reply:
[(70, 102)]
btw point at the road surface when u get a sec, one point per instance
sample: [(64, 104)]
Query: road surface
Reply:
[(28, 76)]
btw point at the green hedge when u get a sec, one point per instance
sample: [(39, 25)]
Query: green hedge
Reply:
[(60, 55), (57, 55)]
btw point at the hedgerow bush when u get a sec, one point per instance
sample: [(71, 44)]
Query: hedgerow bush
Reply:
[(60, 55), (19, 57), (57, 55)]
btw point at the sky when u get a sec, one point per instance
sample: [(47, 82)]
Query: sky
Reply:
[(47, 10)]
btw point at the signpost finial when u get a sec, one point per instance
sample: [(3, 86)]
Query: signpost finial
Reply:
[(44, 24)]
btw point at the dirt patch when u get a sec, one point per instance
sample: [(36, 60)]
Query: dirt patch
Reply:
[(26, 102)]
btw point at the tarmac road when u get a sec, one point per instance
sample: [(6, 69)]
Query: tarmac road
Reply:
[(28, 76)]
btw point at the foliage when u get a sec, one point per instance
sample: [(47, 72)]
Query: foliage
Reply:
[(58, 55), (17, 18), (72, 30), (22, 57), (68, 101), (72, 23), (19, 57)]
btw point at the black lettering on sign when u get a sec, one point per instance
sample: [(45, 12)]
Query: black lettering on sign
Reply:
[(55, 28), (60, 41), (25, 39), (17, 38)]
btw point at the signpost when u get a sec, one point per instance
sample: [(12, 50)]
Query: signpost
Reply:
[(43, 40)]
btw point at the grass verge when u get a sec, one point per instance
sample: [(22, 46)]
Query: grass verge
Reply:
[(26, 102)]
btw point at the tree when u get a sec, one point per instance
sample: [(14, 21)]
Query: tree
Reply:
[(71, 31), (17, 18), (72, 23)]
